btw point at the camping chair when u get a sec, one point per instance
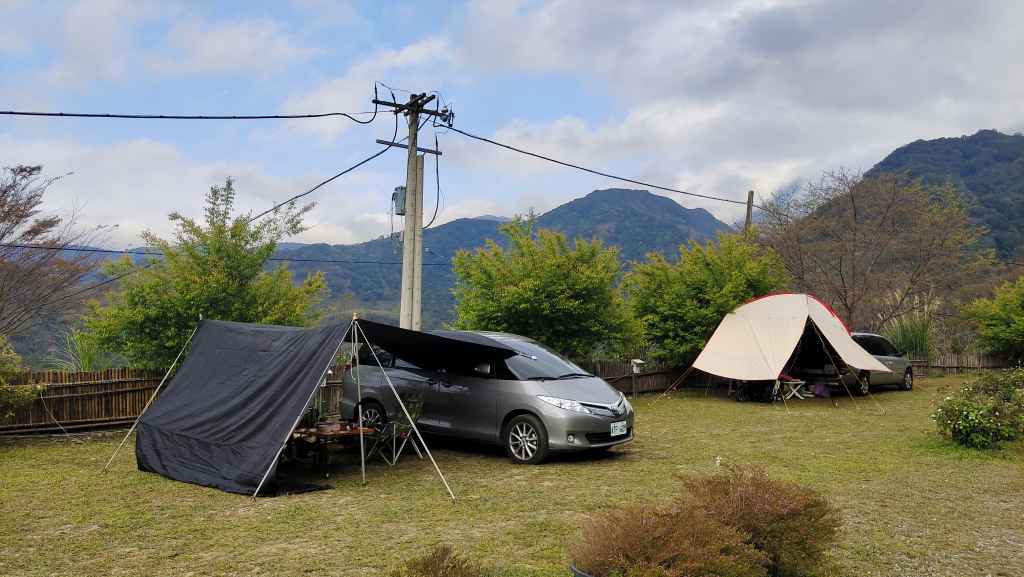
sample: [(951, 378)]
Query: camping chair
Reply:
[(393, 437)]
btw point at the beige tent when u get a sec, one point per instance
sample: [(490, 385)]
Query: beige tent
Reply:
[(756, 341)]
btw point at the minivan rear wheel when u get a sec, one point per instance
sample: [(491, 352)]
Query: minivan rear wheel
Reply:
[(374, 415), (908, 380), (863, 383), (526, 440)]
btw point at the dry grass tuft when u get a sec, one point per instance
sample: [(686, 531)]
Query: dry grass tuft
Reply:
[(652, 541), (793, 525), (442, 561)]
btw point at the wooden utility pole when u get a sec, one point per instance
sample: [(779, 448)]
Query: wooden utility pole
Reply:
[(750, 212), (412, 239)]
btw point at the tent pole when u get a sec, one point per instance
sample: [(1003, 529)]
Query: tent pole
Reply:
[(151, 398), (824, 347), (298, 419), (407, 416), (675, 384), (359, 396)]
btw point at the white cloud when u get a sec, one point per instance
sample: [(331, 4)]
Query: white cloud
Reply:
[(198, 47), (408, 66), (136, 184), (719, 97)]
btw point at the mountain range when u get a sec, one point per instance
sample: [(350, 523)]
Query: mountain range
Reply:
[(988, 169), (635, 221)]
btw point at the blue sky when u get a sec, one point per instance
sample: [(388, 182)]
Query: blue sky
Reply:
[(715, 97)]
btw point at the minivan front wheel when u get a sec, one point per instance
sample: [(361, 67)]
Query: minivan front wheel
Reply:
[(526, 440)]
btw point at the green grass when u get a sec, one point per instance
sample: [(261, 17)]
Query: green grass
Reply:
[(912, 503)]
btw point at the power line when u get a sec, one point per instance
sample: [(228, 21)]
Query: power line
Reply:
[(593, 171), (437, 176), (336, 176), (348, 115), (152, 253)]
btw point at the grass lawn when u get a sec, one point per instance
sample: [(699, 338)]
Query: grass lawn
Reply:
[(913, 504)]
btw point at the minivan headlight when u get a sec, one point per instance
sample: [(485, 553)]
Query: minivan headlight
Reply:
[(567, 404)]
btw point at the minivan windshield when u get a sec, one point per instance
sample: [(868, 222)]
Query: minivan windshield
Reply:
[(537, 362)]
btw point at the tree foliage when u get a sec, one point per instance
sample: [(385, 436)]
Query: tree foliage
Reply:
[(36, 283), (877, 248), (680, 304), (12, 397), (214, 269), (562, 294), (1000, 320)]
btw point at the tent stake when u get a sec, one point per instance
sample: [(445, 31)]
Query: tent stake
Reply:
[(298, 419), (408, 416), (150, 401)]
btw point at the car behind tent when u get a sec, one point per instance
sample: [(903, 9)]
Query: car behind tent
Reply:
[(758, 340)]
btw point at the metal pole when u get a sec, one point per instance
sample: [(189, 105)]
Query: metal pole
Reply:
[(359, 396), (415, 429), (150, 401), (297, 419)]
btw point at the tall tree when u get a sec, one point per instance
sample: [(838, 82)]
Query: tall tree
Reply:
[(36, 283), (562, 294), (1000, 320), (679, 304), (877, 248), (215, 269)]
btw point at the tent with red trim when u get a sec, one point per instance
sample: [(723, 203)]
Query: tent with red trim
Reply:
[(767, 336)]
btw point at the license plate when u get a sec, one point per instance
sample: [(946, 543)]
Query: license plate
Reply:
[(619, 428)]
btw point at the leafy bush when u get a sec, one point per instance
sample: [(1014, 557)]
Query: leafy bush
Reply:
[(12, 397), (562, 293), (651, 541), (1000, 320), (790, 524), (442, 561), (986, 412), (680, 304)]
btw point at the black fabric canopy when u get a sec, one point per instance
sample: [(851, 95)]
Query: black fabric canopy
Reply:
[(223, 417), (434, 350)]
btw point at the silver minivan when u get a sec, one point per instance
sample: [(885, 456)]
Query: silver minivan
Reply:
[(532, 403), (882, 349)]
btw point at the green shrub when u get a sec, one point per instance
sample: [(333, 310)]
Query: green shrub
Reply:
[(442, 561), (986, 412), (12, 397), (1000, 321), (656, 541), (790, 524)]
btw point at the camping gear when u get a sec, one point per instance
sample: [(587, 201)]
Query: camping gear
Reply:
[(397, 433), (757, 341)]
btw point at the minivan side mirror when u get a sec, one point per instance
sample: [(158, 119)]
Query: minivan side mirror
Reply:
[(482, 369)]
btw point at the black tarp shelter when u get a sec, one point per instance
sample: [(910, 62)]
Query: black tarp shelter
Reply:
[(242, 388), (222, 418)]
